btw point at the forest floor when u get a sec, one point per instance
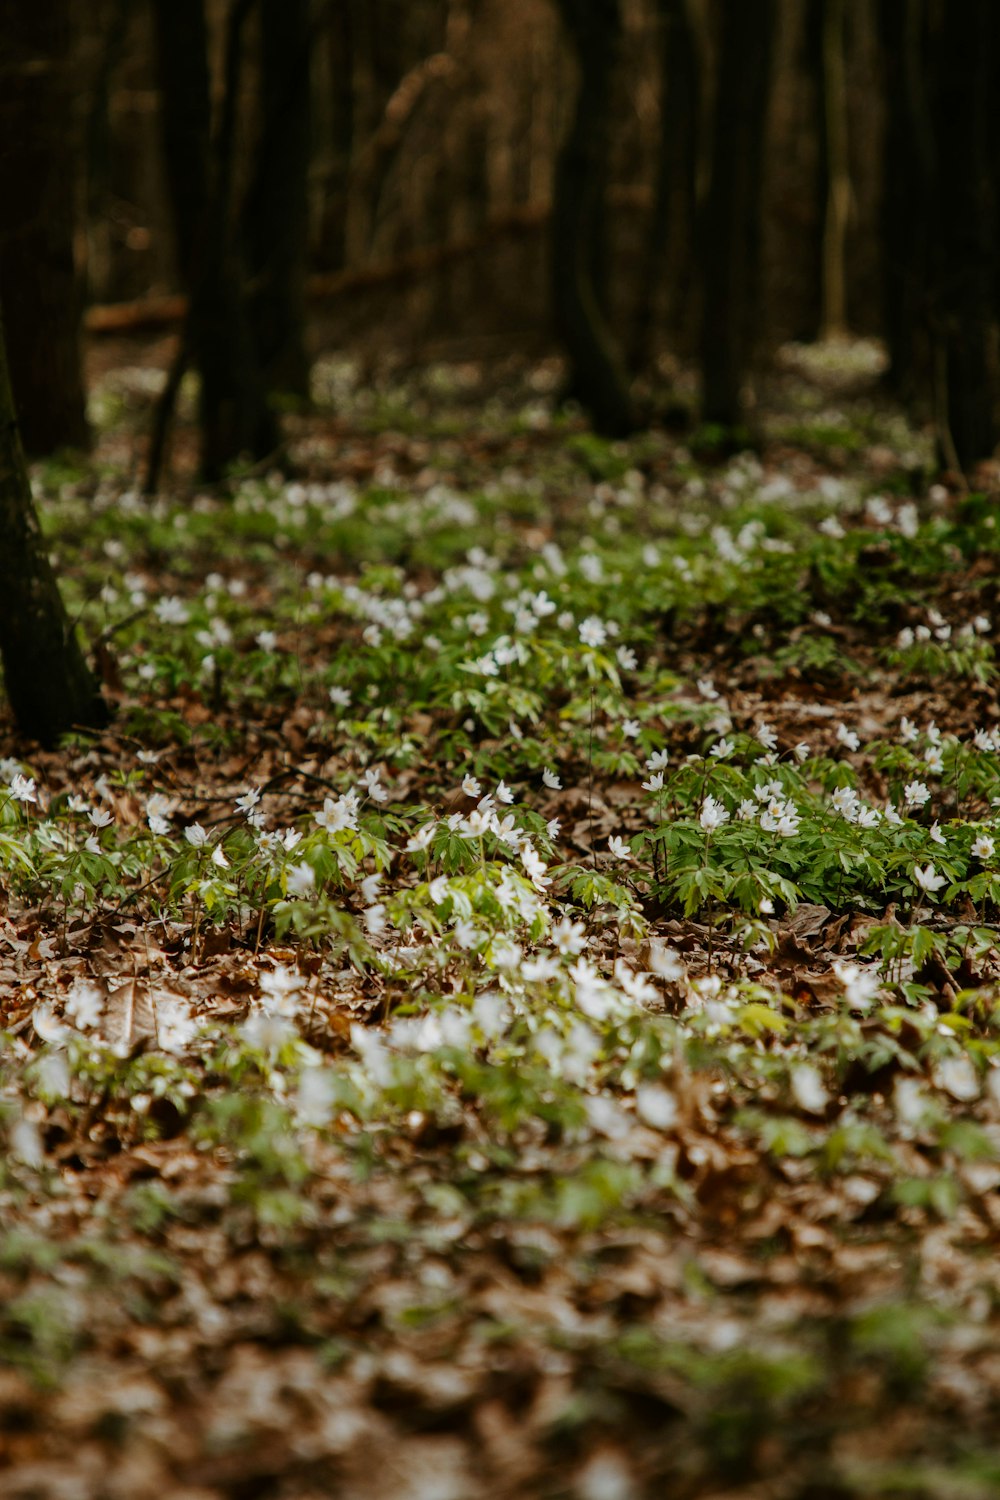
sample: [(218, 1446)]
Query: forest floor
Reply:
[(510, 1007)]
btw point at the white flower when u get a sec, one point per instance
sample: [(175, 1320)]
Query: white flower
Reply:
[(551, 780), (279, 990), (266, 640), (175, 1026), (860, 985), (957, 1076), (707, 688), (631, 728), (935, 834), (658, 761), (471, 787), (219, 859), (504, 793), (374, 918), (534, 866), (569, 937), (665, 963), (983, 847), (593, 632), (847, 737), (22, 788), (626, 658), (467, 935), (300, 879), (170, 611), (339, 697), (655, 1106), (767, 736), (195, 835), (422, 838), (248, 801), (712, 814), (618, 848), (654, 784), (928, 879), (84, 1003), (338, 813), (99, 817), (916, 794), (372, 785), (808, 1089), (723, 748), (802, 751), (907, 731), (47, 1025)]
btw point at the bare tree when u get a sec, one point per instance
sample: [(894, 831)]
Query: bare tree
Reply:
[(49, 685), (38, 282), (729, 248), (579, 284)]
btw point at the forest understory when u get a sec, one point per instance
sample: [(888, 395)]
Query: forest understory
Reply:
[(509, 1008)]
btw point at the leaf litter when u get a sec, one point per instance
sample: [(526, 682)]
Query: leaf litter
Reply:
[(400, 1099)]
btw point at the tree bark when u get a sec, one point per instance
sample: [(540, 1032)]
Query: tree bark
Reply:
[(276, 214), (966, 311), (38, 281), (730, 224), (48, 683), (908, 173), (665, 279), (234, 415), (580, 295)]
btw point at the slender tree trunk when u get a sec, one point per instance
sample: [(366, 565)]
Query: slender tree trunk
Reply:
[(837, 174), (665, 278), (966, 222), (276, 215), (730, 223), (38, 282), (48, 683), (908, 174), (598, 376), (234, 414)]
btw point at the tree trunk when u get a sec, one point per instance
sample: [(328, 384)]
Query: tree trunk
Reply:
[(665, 279), (838, 179), (908, 173), (276, 215), (598, 377), (234, 414), (38, 282), (730, 224), (966, 222), (49, 685)]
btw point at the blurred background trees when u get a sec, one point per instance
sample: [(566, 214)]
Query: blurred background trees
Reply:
[(639, 184)]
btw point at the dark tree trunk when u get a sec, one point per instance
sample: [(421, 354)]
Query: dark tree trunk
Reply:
[(185, 124), (966, 222), (49, 686), (276, 216), (909, 168), (38, 282), (234, 413), (598, 377), (729, 248), (665, 279)]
